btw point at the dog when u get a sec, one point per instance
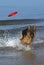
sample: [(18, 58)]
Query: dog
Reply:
[(28, 37)]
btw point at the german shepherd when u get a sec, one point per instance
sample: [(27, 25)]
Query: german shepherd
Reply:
[(29, 37)]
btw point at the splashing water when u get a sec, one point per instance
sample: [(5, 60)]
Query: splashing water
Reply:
[(10, 42), (14, 42)]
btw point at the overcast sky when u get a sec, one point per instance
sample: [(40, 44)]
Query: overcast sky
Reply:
[(27, 9)]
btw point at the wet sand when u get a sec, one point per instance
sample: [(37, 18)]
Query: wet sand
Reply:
[(13, 57)]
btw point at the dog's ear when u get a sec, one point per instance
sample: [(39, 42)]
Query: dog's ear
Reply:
[(34, 27), (29, 27), (20, 36), (34, 30)]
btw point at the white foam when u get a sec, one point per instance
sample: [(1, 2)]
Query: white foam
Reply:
[(15, 42), (10, 42), (38, 41)]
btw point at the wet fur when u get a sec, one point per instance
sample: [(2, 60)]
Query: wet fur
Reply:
[(28, 39)]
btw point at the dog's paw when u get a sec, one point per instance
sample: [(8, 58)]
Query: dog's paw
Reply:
[(27, 49)]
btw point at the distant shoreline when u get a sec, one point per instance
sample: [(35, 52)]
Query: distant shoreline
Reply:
[(24, 20), (20, 21)]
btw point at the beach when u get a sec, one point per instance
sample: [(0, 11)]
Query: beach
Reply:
[(9, 33)]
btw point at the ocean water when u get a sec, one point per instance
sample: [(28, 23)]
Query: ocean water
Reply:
[(9, 41)]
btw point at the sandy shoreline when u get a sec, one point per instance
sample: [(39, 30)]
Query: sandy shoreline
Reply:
[(32, 57)]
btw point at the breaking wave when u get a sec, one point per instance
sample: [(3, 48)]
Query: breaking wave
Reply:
[(10, 42), (15, 42)]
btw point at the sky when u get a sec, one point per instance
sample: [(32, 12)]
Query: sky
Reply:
[(27, 9)]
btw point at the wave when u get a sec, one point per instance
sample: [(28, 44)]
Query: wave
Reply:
[(9, 27), (20, 26), (15, 42), (10, 42)]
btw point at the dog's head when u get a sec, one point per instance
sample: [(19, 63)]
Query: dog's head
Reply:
[(30, 35), (31, 30)]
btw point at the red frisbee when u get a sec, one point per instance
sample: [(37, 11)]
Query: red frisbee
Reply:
[(12, 14)]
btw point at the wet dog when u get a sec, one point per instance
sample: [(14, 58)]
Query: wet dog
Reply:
[(28, 35)]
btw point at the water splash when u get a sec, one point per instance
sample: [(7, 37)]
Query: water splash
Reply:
[(14, 42)]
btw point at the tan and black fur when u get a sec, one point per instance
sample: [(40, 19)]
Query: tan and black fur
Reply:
[(28, 39)]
